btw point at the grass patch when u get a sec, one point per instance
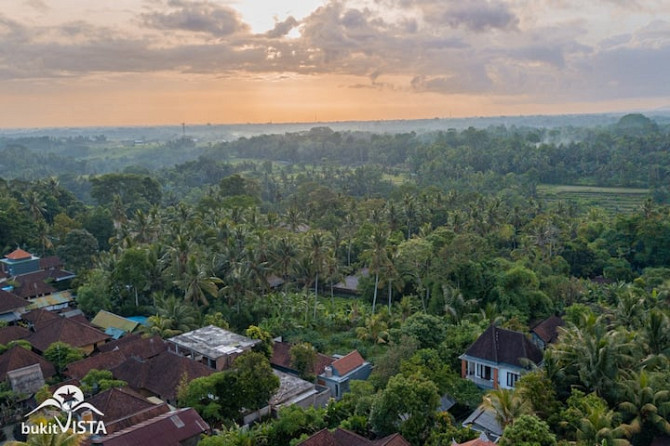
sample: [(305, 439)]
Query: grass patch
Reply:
[(612, 199)]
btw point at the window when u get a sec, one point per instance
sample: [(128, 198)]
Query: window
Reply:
[(484, 372), (512, 378)]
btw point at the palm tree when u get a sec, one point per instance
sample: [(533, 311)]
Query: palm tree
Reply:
[(317, 256), (377, 257), (656, 332), (597, 427), (507, 405), (180, 316), (197, 283), (35, 205), (644, 407), (455, 305)]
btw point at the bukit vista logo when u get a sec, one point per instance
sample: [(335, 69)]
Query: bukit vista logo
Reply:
[(68, 399)]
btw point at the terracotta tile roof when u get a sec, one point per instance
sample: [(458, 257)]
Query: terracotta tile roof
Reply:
[(18, 254), (123, 407), (136, 345), (348, 363), (343, 437), (66, 330), (481, 441), (504, 346), (322, 438), (168, 429), (281, 357), (18, 357), (34, 284), (547, 329), (12, 333), (39, 317), (160, 374), (11, 302), (100, 361)]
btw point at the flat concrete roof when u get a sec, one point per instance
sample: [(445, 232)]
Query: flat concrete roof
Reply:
[(213, 342)]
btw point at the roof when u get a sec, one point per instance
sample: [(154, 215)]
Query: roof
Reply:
[(33, 284), (160, 374), (19, 254), (168, 429), (105, 319), (350, 283), (348, 363), (18, 357), (290, 387), (281, 357), (504, 346), (65, 330), (26, 380), (136, 345), (483, 440), (214, 342), (51, 262), (484, 420), (343, 437), (51, 300), (100, 361), (547, 330), (10, 302), (39, 317), (121, 405), (12, 333)]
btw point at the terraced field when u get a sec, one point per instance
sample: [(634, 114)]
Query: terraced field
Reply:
[(612, 199)]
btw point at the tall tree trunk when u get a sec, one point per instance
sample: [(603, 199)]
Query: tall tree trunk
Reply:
[(374, 299), (390, 297), (316, 294)]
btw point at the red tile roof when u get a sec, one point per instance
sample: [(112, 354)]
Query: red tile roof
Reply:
[(348, 363), (136, 345), (12, 333), (18, 357), (168, 429), (39, 317), (481, 441), (343, 437), (281, 357), (10, 302), (18, 254), (123, 408), (66, 330), (101, 361), (35, 284), (160, 374)]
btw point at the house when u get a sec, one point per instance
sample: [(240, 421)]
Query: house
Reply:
[(99, 361), (337, 375), (11, 306), (484, 421), (13, 333), (350, 283), (19, 262), (26, 380), (160, 375), (74, 333), (123, 408), (545, 332), (38, 317), (483, 440), (281, 359), (136, 345), (292, 391), (343, 437), (113, 325), (18, 357), (55, 301), (182, 427), (498, 358), (213, 346)]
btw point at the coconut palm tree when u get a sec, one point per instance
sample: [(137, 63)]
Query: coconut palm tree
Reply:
[(507, 405), (197, 283), (377, 258), (644, 407), (597, 427)]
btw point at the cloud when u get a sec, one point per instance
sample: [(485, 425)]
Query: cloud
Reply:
[(38, 5), (196, 16), (282, 28)]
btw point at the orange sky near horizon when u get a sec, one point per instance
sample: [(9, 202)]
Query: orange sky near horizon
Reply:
[(152, 62)]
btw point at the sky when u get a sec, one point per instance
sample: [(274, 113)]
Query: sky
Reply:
[(148, 62)]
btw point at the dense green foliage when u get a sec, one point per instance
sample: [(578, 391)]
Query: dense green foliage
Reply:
[(255, 234)]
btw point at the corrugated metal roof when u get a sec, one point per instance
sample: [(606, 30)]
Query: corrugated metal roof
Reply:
[(105, 319)]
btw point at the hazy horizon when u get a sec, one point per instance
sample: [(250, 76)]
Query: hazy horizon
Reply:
[(75, 63)]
